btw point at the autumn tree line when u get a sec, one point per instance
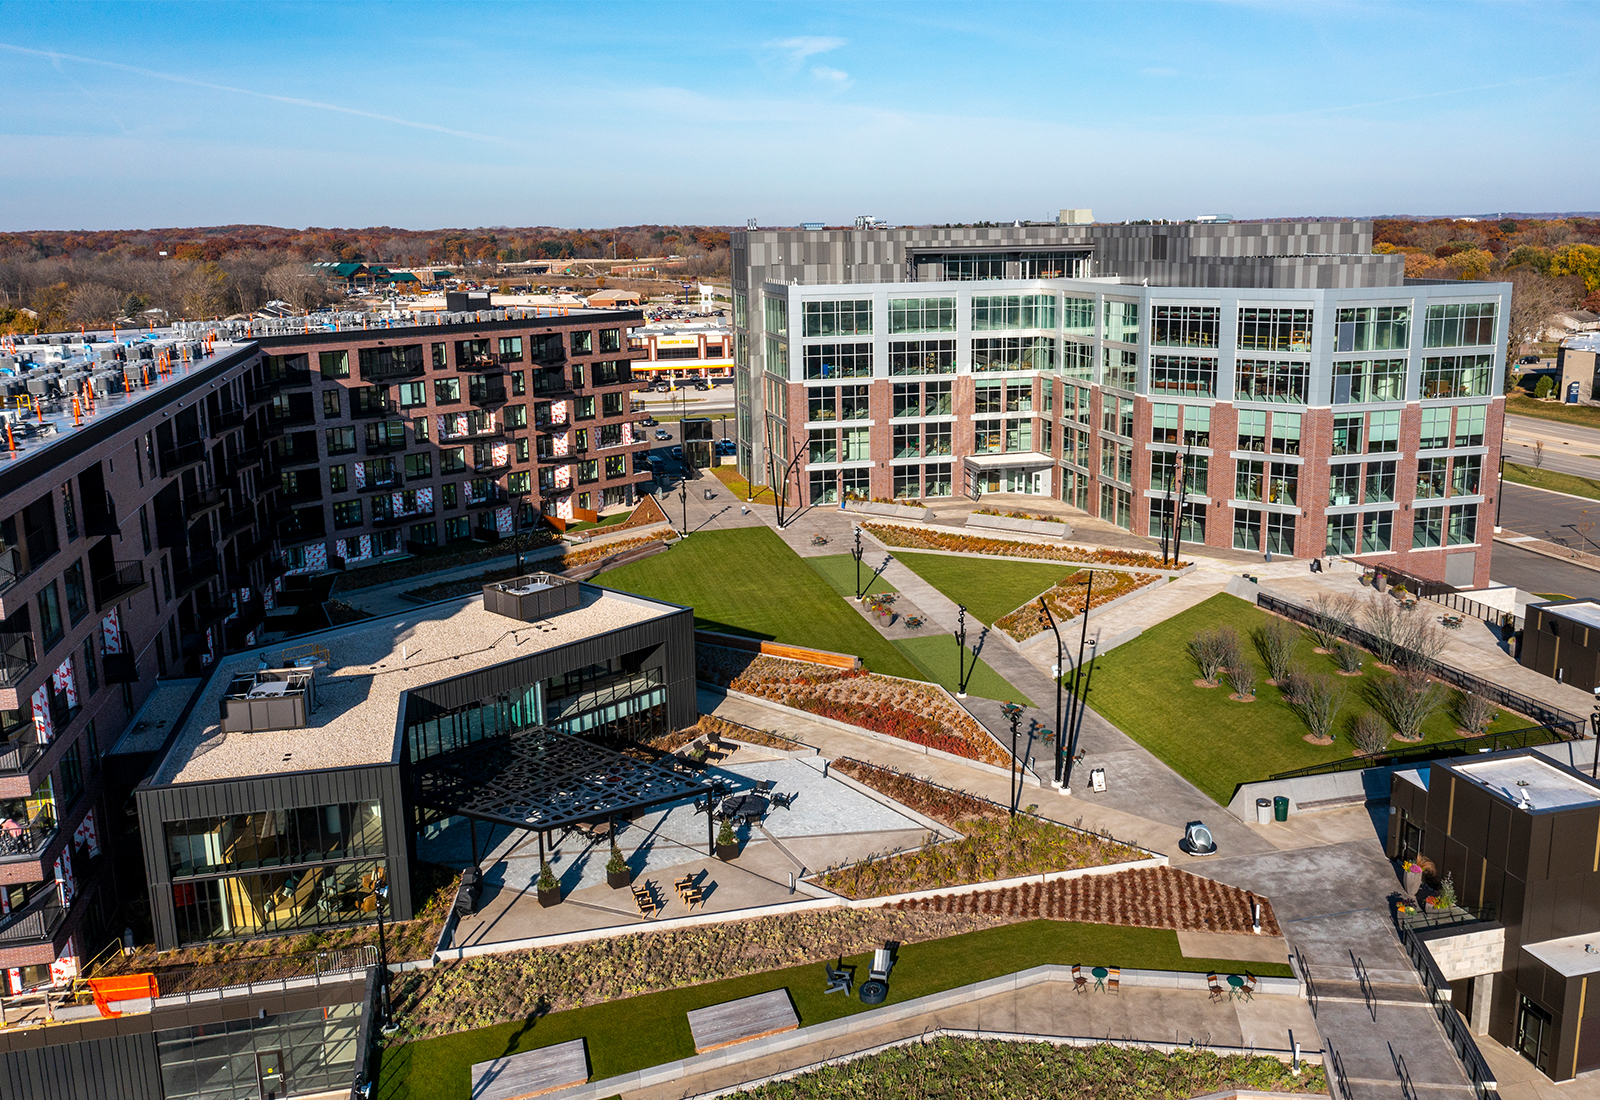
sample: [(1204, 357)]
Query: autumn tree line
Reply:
[(69, 280)]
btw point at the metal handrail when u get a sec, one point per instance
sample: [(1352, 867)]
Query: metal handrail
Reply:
[(1526, 737), (1478, 1073)]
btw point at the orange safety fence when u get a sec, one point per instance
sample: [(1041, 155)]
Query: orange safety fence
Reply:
[(124, 987)]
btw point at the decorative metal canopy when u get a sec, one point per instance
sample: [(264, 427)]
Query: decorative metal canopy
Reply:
[(539, 778)]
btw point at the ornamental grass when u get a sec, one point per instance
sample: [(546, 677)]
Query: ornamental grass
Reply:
[(1068, 600), (922, 538)]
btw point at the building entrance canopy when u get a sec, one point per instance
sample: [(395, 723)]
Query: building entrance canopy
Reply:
[(539, 778)]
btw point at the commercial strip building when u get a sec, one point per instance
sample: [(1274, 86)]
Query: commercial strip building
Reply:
[(1517, 835), (156, 496), (1318, 402), (694, 349)]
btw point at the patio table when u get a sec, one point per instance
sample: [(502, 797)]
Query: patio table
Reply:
[(1100, 973), (1235, 985), (744, 805)]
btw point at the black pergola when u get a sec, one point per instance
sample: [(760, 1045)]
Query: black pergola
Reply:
[(540, 779)]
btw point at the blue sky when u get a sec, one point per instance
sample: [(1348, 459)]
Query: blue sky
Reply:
[(456, 114)]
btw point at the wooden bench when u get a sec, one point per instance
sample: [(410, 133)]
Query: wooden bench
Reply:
[(534, 1073), (740, 1021)]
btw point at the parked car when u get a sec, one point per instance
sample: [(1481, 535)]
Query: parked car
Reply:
[(648, 422), (662, 433), (677, 454), (1529, 359), (726, 447), (702, 384)]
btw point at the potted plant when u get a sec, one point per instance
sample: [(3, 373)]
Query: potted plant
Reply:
[(1411, 873), (549, 886), (727, 842), (618, 874)]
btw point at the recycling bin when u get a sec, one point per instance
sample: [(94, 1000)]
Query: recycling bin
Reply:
[(1263, 810), (1280, 808)]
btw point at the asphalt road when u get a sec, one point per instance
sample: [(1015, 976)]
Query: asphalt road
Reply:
[(1554, 517), (1535, 573), (1568, 448)]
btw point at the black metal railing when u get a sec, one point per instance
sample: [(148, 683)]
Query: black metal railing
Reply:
[(27, 841), (174, 459), (256, 548), (387, 484), (17, 657), (1526, 738), (125, 579), (292, 530), (198, 572), (1466, 1049), (493, 495), (101, 519), (234, 522), (384, 445), (370, 409), (213, 611), (486, 396), (1445, 595), (201, 501), (392, 369), (120, 668), (242, 460), (18, 754), (35, 922), (227, 418), (291, 379), (1571, 725)]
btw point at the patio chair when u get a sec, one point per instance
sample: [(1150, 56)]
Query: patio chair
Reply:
[(839, 980), (1248, 989), (883, 962), (1218, 990), (693, 898), (781, 802), (1114, 981), (1080, 980), (644, 897), (683, 885), (764, 787)]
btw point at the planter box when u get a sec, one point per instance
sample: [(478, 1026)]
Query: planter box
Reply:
[(1055, 529), (619, 879), (547, 898), (1413, 882), (894, 511), (728, 852)]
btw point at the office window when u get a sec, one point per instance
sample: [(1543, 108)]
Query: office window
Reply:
[(1008, 311), (1077, 360), (50, 625), (1246, 529), (776, 314), (1376, 532), (1268, 380), (1013, 353), (446, 391), (1249, 480), (1380, 482), (851, 318), (1285, 433), (1280, 533), (855, 444), (1373, 328), (1120, 368), (1116, 505), (419, 466), (853, 402), (1344, 484), (1342, 532), (907, 440), (1470, 420), (822, 403), (1252, 430), (1427, 528), (1457, 375), (77, 592), (838, 360), (416, 393), (1383, 432), (346, 513), (1197, 425), (438, 357), (1431, 477), (823, 446), (1435, 429), (1122, 322), (1182, 375), (907, 399), (936, 399), (907, 482), (1164, 423), (334, 364), (338, 478), (922, 315), (1459, 326), (988, 436), (1274, 329), (1019, 397), (1283, 483), (1462, 528), (1369, 380), (922, 357), (936, 439), (452, 460), (581, 342), (1019, 437), (1466, 475), (1185, 326), (1077, 315)]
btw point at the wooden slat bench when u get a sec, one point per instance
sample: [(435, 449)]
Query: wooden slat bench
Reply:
[(531, 1074), (740, 1021)]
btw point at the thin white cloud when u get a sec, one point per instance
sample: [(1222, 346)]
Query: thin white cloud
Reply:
[(836, 78), (56, 59), (806, 46)]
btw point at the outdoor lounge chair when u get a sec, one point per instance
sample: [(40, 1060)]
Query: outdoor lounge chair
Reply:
[(1114, 982), (644, 897), (1218, 990), (839, 980), (882, 962), (1080, 981), (683, 885), (692, 897)]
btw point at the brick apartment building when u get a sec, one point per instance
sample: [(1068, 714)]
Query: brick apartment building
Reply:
[(1317, 402), (149, 530)]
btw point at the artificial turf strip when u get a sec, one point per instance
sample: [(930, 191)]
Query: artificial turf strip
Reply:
[(839, 570), (637, 1032), (989, 588), (1146, 689), (936, 657), (748, 582)]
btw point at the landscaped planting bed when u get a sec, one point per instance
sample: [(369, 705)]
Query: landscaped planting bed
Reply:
[(922, 538), (905, 709), (958, 1069), (569, 559), (1145, 897), (1069, 598), (710, 723)]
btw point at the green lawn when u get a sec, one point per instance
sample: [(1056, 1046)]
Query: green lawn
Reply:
[(1552, 596), (990, 589), (1553, 479), (936, 657), (748, 582), (839, 570), (604, 521), (1520, 404), (638, 1032), (1146, 688)]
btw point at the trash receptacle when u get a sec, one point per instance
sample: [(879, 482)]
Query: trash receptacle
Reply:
[(1280, 808), (710, 494), (1263, 810)]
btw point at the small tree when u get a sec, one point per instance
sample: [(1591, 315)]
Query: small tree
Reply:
[(547, 878), (1383, 620), (1292, 685), (1332, 612), (1207, 650), (1408, 700), (1543, 389), (1419, 642), (1368, 733), (1275, 642), (1538, 451), (616, 864), (1242, 677), (1319, 706), (1232, 647), (1474, 713), (1347, 657)]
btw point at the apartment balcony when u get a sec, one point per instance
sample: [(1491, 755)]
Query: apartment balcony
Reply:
[(27, 841), (198, 503), (291, 379), (289, 460), (487, 431), (251, 615), (386, 445), (175, 460), (101, 521), (389, 372), (372, 409), (257, 395), (120, 668), (35, 923), (228, 418), (18, 753), (392, 483), (240, 461), (486, 397), (292, 531), (259, 548), (213, 611), (125, 580), (495, 495), (198, 572), (492, 465), (303, 418), (234, 522)]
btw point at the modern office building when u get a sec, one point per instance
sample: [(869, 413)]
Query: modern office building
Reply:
[(1517, 834), (1316, 401), (158, 492)]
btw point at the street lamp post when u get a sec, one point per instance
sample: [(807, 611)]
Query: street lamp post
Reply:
[(1055, 674), (1013, 711), (961, 651), (380, 893), (683, 499), (856, 553), (1077, 670), (1177, 512)]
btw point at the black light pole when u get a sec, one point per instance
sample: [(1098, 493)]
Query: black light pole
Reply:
[(961, 650), (1013, 711), (683, 498), (380, 893), (1077, 671), (1055, 674), (1500, 489), (1166, 524), (1177, 516), (856, 553), (1594, 727)]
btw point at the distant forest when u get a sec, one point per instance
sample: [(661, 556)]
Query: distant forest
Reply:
[(68, 279)]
